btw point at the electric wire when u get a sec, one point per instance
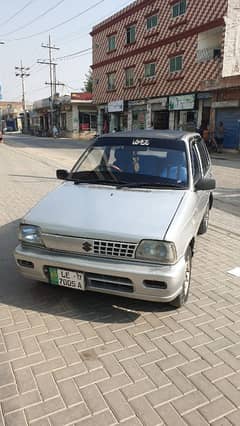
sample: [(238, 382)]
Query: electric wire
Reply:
[(60, 24), (50, 9), (69, 39), (17, 13), (74, 54)]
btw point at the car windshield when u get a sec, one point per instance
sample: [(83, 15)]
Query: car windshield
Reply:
[(133, 162)]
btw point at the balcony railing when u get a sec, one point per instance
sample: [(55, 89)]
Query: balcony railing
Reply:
[(208, 53)]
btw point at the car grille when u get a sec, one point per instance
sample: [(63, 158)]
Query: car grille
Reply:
[(89, 247), (109, 283), (113, 249)]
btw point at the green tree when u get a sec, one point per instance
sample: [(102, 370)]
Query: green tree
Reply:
[(88, 83)]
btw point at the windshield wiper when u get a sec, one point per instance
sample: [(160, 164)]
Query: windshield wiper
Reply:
[(150, 185), (100, 182)]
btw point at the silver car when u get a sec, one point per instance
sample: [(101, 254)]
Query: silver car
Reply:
[(126, 219)]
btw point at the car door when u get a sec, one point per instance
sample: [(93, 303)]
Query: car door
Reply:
[(200, 168)]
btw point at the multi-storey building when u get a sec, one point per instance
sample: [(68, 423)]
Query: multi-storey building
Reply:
[(159, 63)]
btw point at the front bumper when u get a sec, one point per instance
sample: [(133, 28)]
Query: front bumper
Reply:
[(133, 279)]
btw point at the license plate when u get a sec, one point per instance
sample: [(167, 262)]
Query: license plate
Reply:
[(65, 278)]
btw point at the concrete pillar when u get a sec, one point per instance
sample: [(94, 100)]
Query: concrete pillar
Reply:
[(171, 120), (75, 121), (130, 120), (112, 123), (149, 116), (200, 112), (99, 121)]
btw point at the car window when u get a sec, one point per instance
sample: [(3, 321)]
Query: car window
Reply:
[(205, 159), (142, 159), (196, 168)]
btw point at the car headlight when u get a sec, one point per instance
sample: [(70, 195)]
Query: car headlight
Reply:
[(157, 251), (30, 234)]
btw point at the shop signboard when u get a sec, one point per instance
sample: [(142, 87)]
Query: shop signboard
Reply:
[(226, 104), (182, 102), (115, 106), (162, 102), (81, 97), (204, 95), (136, 103)]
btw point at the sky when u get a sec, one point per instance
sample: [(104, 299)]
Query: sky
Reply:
[(20, 25)]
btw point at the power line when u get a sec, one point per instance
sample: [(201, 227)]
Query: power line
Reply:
[(76, 56), (69, 39), (17, 13), (35, 19), (75, 53), (60, 24)]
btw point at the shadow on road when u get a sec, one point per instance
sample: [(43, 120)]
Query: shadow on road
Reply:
[(17, 291), (23, 141), (229, 161)]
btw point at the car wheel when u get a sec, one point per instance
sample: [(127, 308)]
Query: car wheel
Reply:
[(204, 224), (183, 296)]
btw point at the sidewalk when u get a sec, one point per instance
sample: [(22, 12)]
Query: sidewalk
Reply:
[(231, 155)]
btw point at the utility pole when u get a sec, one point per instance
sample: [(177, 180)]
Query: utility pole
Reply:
[(23, 72), (52, 74)]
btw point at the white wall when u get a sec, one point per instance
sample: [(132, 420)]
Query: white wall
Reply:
[(231, 61)]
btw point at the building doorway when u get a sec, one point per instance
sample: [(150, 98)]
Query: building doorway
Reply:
[(161, 120)]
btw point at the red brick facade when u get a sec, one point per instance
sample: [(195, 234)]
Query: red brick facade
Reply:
[(171, 37)]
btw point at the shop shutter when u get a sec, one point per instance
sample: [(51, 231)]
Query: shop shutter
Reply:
[(231, 122)]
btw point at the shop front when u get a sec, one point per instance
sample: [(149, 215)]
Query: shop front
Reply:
[(229, 113), (226, 108), (138, 114), (159, 113), (182, 112), (84, 115), (117, 115), (204, 103)]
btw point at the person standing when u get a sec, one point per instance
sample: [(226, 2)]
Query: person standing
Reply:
[(219, 136), (55, 131)]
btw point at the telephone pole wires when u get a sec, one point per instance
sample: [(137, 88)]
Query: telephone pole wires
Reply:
[(23, 72)]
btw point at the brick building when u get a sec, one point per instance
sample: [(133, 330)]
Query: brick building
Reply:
[(158, 63)]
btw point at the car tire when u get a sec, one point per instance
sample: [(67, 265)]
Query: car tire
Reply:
[(182, 298), (204, 224)]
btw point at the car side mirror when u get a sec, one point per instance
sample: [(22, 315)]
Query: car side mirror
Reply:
[(205, 184), (62, 174)]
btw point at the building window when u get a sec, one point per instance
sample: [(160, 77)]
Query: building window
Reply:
[(111, 81), (176, 64), (179, 8), (111, 43), (131, 33), (150, 69), (129, 77), (152, 22)]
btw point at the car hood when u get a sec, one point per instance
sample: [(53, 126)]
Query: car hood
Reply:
[(103, 212)]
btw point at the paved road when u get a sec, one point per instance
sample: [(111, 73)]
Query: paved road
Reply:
[(69, 358)]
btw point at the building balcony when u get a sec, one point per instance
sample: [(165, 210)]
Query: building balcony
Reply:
[(208, 53)]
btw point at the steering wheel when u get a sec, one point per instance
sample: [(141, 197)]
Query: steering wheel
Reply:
[(114, 167)]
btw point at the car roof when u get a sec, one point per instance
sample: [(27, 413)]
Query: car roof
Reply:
[(150, 134)]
